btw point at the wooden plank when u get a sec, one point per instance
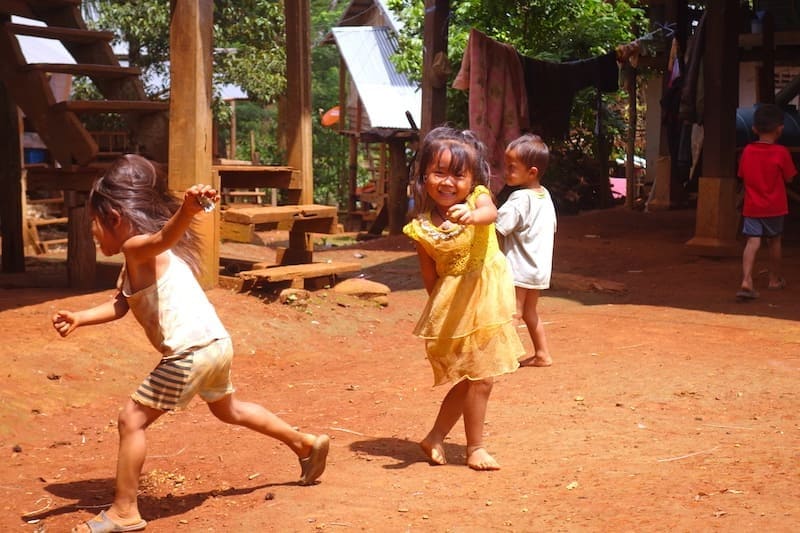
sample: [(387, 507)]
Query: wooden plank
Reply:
[(61, 34), (49, 4), (85, 69), (53, 179), (112, 106), (16, 7), (290, 272), (47, 221), (231, 231), (280, 213), (259, 176)]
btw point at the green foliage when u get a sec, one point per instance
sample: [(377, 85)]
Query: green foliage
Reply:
[(549, 30), (330, 148), (251, 49), (248, 38)]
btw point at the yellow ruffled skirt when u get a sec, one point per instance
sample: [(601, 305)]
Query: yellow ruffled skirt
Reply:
[(468, 327)]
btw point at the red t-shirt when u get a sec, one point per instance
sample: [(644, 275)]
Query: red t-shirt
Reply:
[(765, 168)]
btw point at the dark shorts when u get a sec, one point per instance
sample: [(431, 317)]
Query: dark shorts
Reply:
[(762, 227)]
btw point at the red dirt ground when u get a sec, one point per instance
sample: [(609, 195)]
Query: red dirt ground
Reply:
[(670, 406)]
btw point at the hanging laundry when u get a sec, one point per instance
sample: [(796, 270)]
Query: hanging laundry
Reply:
[(551, 88), (674, 64), (692, 96), (498, 105)]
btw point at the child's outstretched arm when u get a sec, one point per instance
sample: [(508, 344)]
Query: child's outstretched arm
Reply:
[(146, 246), (485, 212), (65, 322)]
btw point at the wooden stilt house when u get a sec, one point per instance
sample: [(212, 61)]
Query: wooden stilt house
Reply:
[(380, 109)]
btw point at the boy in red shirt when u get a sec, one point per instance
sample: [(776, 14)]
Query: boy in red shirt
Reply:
[(764, 168)]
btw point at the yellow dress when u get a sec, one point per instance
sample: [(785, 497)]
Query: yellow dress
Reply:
[(467, 321)]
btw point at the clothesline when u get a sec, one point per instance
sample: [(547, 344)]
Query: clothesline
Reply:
[(631, 51)]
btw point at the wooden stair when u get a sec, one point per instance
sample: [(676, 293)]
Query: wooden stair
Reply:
[(58, 123)]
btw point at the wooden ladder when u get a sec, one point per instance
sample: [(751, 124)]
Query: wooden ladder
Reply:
[(33, 223), (58, 123)]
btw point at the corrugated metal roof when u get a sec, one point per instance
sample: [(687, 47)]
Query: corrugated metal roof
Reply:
[(385, 93)]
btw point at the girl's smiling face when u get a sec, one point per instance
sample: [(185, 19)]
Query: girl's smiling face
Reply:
[(445, 186)]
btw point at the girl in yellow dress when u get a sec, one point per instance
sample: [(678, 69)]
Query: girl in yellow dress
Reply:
[(467, 321)]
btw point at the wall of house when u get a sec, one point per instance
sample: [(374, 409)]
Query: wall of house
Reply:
[(748, 82)]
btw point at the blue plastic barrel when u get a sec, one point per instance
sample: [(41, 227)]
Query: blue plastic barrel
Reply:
[(744, 127)]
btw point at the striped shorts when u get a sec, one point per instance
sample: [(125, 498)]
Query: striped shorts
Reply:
[(178, 378)]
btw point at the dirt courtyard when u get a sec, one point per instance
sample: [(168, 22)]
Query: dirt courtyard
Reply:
[(670, 406)]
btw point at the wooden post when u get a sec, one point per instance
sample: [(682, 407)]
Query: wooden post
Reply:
[(298, 93), (766, 74), (658, 160), (676, 11), (232, 144), (190, 118), (341, 125), (397, 199), (717, 218), (434, 99), (81, 250), (11, 191), (630, 166), (352, 169)]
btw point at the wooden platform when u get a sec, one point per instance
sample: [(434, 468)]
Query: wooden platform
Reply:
[(239, 223), (299, 276)]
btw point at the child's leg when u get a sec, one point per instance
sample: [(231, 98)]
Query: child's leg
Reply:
[(475, 402), (775, 279), (748, 260), (527, 300), (306, 446), (449, 413), (132, 423)]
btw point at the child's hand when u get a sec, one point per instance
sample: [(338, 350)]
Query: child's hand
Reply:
[(460, 214), (200, 198), (65, 322)]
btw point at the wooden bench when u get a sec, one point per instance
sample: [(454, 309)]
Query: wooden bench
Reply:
[(239, 224), (299, 276)]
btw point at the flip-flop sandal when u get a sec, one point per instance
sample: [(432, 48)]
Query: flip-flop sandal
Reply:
[(746, 294), (312, 467), (103, 524)]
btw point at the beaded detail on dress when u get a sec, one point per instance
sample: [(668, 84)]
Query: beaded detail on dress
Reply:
[(444, 232)]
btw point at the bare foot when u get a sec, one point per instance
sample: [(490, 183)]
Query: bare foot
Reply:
[(434, 451), (537, 360), (777, 284), (479, 459)]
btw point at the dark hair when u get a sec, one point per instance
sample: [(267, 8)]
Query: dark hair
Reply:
[(767, 118), (532, 151), (136, 188), (467, 152)]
